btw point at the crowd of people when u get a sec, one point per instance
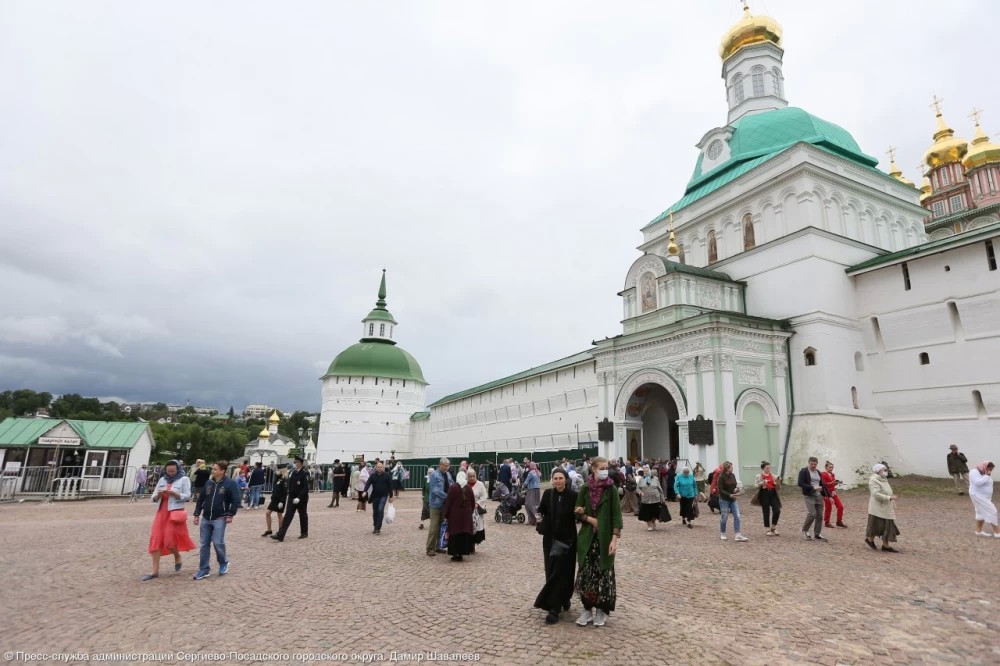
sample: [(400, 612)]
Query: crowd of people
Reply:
[(580, 516)]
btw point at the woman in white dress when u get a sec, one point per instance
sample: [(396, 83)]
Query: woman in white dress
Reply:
[(479, 492), (981, 494)]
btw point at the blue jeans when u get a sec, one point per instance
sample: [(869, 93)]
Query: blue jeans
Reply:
[(213, 533), (255, 496), (378, 505), (726, 507)]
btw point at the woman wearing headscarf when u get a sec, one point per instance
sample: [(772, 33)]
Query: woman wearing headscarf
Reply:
[(671, 477), (573, 478), (359, 488), (981, 494), (881, 510), (169, 533), (598, 507), (479, 494), (701, 478), (630, 500), (397, 478), (652, 500), (533, 494), (355, 475), (687, 490), (459, 505), (558, 529)]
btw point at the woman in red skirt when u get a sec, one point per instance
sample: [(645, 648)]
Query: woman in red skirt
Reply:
[(170, 532)]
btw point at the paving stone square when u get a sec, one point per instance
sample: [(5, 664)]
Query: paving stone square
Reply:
[(72, 585)]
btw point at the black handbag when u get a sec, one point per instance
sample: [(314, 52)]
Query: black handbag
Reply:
[(559, 548), (481, 511), (664, 514)]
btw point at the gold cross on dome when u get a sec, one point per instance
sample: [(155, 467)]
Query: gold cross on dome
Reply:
[(891, 153), (922, 168), (936, 104), (671, 220), (975, 115)]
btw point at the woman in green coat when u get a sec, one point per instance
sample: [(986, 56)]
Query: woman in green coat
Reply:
[(600, 511)]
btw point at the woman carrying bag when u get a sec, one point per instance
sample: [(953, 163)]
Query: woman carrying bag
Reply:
[(767, 498), (558, 529), (170, 533), (653, 506), (600, 510)]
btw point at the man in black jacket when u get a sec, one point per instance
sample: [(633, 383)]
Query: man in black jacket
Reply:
[(958, 468), (298, 500), (812, 491), (219, 503), (379, 489), (338, 483)]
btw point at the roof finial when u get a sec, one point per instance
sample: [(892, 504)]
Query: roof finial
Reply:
[(975, 115), (891, 153), (936, 104), (746, 7), (381, 291)]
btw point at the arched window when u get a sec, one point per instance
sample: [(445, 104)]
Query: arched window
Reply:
[(371, 329), (748, 239), (757, 79), (738, 88), (810, 356), (854, 397), (859, 362), (713, 248), (381, 329), (779, 87), (925, 358), (680, 254)]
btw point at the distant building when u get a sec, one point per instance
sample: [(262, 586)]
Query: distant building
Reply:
[(271, 448), (256, 411)]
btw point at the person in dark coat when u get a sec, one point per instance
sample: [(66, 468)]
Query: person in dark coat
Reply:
[(671, 477), (339, 478), (379, 491), (492, 473), (458, 507), (279, 495), (503, 476), (298, 500), (557, 509)]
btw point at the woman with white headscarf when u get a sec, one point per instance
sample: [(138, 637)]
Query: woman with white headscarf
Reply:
[(881, 510), (479, 493), (981, 494)]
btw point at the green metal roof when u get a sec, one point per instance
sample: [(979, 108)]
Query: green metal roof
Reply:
[(759, 137), (380, 314), (930, 247), (93, 434), (376, 358), (582, 357), (420, 416)]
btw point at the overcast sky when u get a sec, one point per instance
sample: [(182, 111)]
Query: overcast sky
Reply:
[(197, 198)]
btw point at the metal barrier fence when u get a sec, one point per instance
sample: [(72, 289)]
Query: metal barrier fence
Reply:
[(67, 482)]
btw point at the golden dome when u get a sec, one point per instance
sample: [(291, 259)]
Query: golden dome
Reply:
[(749, 30), (896, 173), (264, 434), (981, 152), (925, 188), (274, 417), (947, 148)]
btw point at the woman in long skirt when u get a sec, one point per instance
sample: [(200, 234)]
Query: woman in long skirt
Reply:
[(881, 511), (533, 494), (981, 494), (652, 500), (598, 507), (459, 505), (170, 534), (558, 528), (686, 488), (630, 500), (479, 494)]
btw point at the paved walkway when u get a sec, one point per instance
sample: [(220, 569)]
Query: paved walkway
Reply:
[(71, 584)]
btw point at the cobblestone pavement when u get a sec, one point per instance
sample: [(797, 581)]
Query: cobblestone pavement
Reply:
[(71, 584)]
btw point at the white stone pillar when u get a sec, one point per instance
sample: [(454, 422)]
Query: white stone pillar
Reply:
[(729, 411), (706, 366)]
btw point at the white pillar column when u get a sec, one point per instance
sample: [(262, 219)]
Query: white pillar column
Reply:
[(706, 366), (729, 412)]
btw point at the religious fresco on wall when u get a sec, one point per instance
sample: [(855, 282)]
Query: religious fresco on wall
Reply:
[(647, 286)]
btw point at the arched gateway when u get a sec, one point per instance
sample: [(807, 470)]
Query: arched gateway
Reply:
[(647, 409)]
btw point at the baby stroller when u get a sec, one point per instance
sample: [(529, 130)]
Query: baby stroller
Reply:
[(510, 505)]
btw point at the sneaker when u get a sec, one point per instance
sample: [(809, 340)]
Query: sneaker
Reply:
[(774, 531), (649, 529), (820, 537), (600, 617), (224, 568), (769, 533), (431, 553), (740, 537), (586, 617), (807, 536), (202, 574), (984, 534), (996, 535), (722, 536)]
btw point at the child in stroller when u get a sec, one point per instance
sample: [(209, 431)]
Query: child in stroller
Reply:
[(510, 505)]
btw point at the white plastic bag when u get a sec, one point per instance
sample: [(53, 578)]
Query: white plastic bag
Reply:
[(390, 514)]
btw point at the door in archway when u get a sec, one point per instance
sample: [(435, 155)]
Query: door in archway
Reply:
[(754, 442), (656, 409)]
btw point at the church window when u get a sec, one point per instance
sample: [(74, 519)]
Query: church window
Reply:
[(991, 179), (906, 277), (810, 356), (757, 79), (938, 209), (371, 329), (991, 257), (748, 237), (943, 176), (680, 254), (925, 358), (854, 397), (713, 248), (714, 149), (859, 362), (381, 329), (957, 203), (778, 86), (738, 88)]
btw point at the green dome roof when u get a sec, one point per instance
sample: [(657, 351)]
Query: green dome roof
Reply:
[(376, 359)]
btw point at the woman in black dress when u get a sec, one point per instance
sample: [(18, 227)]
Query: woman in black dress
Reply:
[(558, 529)]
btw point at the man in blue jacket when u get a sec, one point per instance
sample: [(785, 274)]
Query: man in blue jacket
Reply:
[(440, 480), (219, 501)]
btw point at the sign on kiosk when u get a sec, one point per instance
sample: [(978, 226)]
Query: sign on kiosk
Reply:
[(59, 441)]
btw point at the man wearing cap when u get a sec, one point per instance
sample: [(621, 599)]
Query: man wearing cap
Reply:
[(440, 480), (297, 500), (958, 467)]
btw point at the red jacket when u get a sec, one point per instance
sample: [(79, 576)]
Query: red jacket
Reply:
[(829, 481)]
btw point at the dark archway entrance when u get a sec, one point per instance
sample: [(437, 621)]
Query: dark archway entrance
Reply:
[(652, 411)]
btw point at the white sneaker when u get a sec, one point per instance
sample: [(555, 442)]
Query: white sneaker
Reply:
[(984, 534), (648, 529), (740, 537), (996, 535), (600, 617), (586, 617), (722, 536)]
